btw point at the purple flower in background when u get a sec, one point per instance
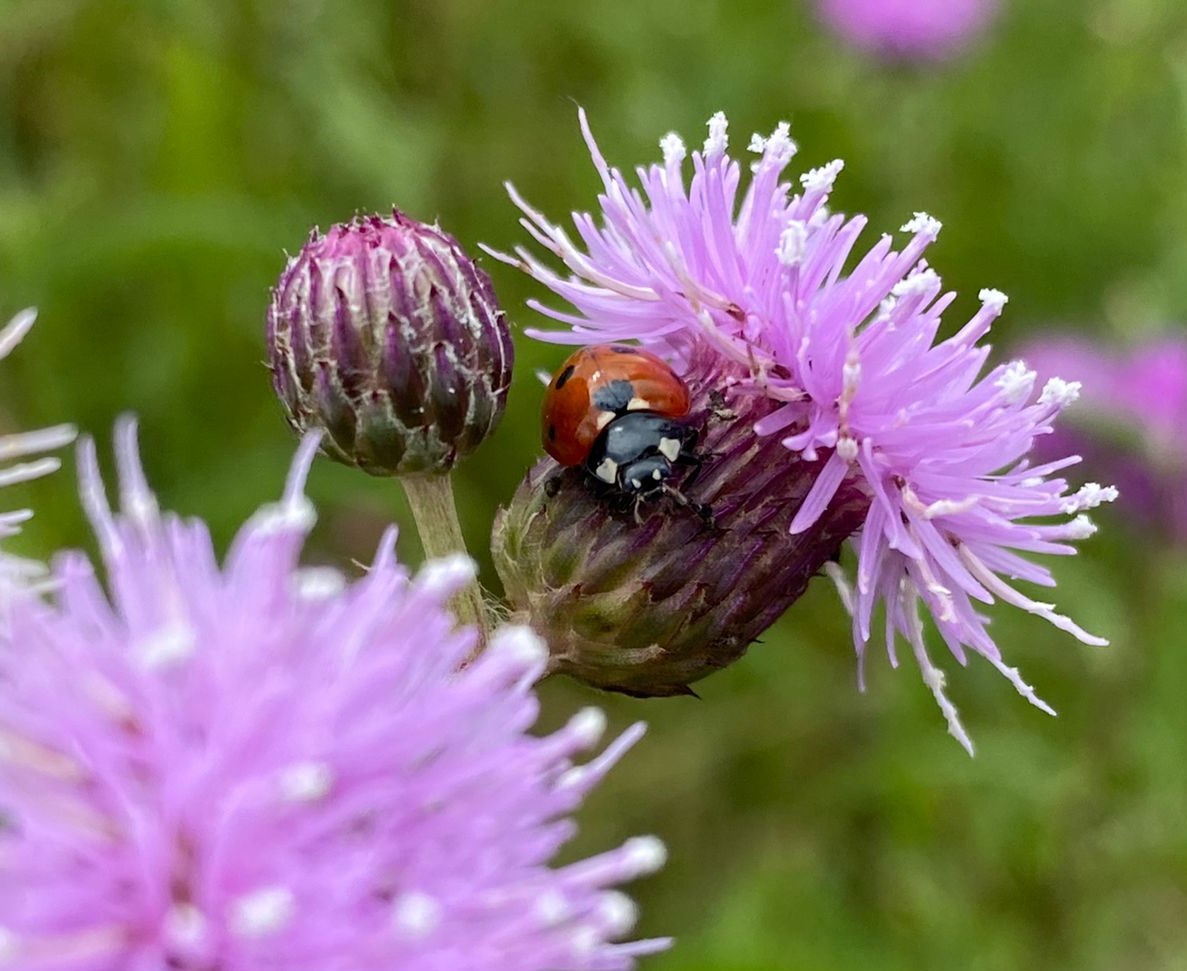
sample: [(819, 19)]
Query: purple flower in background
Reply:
[(17, 571), (255, 765), (1130, 420), (908, 29), (767, 287)]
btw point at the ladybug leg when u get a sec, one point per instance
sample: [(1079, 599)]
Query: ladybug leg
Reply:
[(694, 462), (718, 409), (705, 511), (701, 509), (638, 506), (552, 485)]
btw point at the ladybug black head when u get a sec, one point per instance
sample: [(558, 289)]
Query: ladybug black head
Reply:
[(636, 452)]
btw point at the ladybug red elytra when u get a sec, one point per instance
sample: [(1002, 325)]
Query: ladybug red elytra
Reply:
[(620, 412)]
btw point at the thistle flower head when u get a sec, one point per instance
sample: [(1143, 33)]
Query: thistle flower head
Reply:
[(17, 572), (387, 336), (256, 765), (844, 345), (648, 610), (908, 29)]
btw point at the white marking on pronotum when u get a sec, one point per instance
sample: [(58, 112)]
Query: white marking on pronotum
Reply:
[(607, 471), (669, 448), (604, 419), (638, 404)]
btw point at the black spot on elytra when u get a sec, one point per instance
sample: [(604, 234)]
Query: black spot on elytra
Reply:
[(614, 396), (563, 378), (552, 433)]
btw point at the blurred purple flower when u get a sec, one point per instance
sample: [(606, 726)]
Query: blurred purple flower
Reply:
[(16, 571), (259, 766), (1129, 421), (758, 285), (908, 29)]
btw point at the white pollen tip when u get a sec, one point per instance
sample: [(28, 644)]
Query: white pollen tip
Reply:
[(618, 912), (645, 854), (552, 907), (993, 299), (1016, 382), (263, 912), (672, 145), (168, 646), (718, 139), (822, 178), (777, 147), (780, 145), (1080, 528), (519, 644), (1059, 392), (588, 725), (923, 224), (416, 914), (847, 448), (447, 574), (318, 583), (923, 282), (1089, 496), (793, 243), (306, 782), (292, 516)]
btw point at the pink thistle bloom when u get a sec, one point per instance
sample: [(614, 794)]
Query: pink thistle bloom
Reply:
[(1130, 419), (256, 765), (755, 281), (908, 29), (15, 571)]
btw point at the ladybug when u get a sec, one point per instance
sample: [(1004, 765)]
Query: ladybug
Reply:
[(621, 413)]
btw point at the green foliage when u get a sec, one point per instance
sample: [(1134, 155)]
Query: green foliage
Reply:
[(158, 156)]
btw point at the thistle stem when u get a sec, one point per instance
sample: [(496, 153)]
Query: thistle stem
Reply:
[(435, 513)]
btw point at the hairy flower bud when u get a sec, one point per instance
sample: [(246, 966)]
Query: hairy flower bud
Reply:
[(647, 609), (384, 333)]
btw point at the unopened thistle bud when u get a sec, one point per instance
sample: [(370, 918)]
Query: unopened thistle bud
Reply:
[(648, 609), (384, 333)]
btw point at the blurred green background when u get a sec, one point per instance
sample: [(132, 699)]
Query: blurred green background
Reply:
[(158, 156)]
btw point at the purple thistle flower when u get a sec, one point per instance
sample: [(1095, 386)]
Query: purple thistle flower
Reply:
[(16, 571), (1130, 420), (908, 29), (756, 282), (255, 765)]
